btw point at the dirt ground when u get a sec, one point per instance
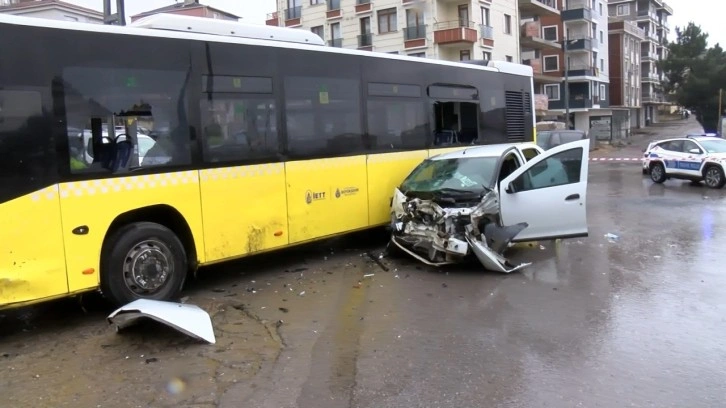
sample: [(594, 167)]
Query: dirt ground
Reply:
[(65, 353)]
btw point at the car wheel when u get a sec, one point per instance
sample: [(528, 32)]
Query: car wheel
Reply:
[(657, 173), (143, 260), (714, 177)]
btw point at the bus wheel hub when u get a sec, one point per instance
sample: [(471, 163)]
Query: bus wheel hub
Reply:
[(147, 266)]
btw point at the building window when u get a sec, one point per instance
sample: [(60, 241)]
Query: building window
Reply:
[(551, 63), (602, 65), (602, 91), (601, 13), (549, 33), (319, 30), (507, 24), (552, 91), (335, 38), (602, 37), (622, 9), (418, 54), (387, 20), (485, 17), (487, 56), (464, 55), (509, 58), (314, 2)]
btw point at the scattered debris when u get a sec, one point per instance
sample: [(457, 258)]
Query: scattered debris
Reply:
[(283, 309), (444, 285), (612, 237), (368, 275), (301, 293), (188, 319), (151, 360), (378, 261)]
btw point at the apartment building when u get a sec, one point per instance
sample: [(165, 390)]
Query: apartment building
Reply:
[(453, 30), (538, 33), (51, 9), (652, 17), (581, 97), (625, 76)]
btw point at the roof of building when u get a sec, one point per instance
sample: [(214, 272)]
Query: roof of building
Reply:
[(184, 5), (31, 5)]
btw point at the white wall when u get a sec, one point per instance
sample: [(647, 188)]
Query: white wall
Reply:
[(55, 14)]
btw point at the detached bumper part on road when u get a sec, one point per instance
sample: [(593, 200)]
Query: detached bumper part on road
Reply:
[(440, 236), (188, 319)]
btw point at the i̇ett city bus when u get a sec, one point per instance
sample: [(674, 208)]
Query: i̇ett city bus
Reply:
[(132, 155)]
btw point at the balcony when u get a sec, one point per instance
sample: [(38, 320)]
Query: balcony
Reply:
[(579, 44), (333, 9), (292, 16), (539, 76), (414, 36), (647, 14), (365, 41), (455, 32), (530, 38), (363, 6), (650, 77), (537, 8), (577, 101), (577, 11), (487, 35), (336, 42), (582, 70), (648, 56), (665, 8), (272, 19)]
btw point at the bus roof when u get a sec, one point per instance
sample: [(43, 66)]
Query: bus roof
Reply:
[(206, 29)]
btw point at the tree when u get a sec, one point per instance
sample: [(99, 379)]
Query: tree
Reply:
[(694, 74)]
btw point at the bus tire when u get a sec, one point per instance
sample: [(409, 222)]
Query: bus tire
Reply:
[(142, 260)]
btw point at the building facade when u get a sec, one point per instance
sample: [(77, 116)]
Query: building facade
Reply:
[(652, 17), (581, 97), (538, 34), (189, 8), (51, 9), (441, 29), (625, 76)]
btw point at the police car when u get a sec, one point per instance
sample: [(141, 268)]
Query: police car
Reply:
[(699, 157)]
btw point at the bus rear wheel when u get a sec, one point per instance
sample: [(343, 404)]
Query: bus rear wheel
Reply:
[(143, 260)]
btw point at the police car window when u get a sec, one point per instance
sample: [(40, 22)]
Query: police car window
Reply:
[(673, 146), (714, 146), (688, 145)]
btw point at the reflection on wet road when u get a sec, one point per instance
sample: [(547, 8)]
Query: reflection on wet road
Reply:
[(636, 319)]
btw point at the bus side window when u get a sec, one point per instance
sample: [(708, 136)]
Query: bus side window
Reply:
[(146, 101)]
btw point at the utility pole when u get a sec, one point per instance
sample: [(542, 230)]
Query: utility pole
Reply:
[(118, 18), (566, 63)]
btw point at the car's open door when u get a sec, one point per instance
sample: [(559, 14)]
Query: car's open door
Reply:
[(549, 193)]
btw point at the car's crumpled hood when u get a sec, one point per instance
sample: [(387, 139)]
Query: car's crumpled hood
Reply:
[(440, 235)]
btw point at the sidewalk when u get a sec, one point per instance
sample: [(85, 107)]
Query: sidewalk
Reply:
[(633, 146)]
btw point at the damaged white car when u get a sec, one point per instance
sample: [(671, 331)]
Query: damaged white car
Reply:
[(482, 199)]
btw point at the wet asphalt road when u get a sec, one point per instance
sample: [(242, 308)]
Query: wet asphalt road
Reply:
[(636, 321)]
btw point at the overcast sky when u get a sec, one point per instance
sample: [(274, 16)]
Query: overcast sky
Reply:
[(709, 14)]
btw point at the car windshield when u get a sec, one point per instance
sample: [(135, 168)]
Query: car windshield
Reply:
[(543, 138), (714, 146), (464, 174)]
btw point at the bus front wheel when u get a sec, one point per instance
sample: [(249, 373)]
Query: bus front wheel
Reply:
[(143, 260)]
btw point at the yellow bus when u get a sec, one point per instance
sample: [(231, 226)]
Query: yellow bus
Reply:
[(132, 155)]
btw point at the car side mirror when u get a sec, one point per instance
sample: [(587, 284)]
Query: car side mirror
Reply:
[(695, 151), (510, 189)]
